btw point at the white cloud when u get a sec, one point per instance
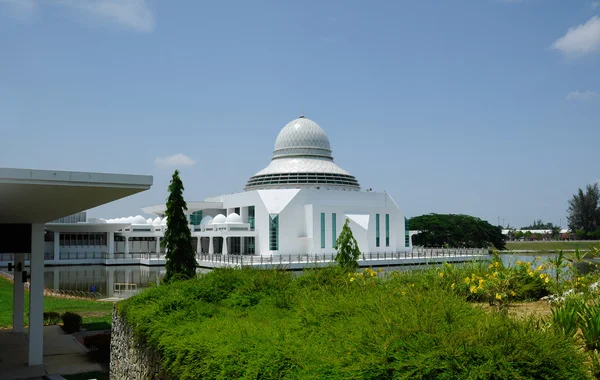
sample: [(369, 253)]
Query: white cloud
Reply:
[(595, 4), (581, 39), (176, 160), (581, 95), (133, 14)]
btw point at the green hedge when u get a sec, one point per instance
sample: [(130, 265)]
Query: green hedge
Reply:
[(233, 323)]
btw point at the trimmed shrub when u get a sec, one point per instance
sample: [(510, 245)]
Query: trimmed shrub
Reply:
[(71, 322), (99, 345), (327, 323), (51, 318)]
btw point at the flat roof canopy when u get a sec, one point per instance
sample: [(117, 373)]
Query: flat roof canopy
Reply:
[(41, 196), (191, 207), (86, 227)]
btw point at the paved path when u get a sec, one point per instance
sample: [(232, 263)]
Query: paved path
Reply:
[(62, 355)]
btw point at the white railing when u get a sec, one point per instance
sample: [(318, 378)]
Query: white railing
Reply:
[(124, 287), (416, 253)]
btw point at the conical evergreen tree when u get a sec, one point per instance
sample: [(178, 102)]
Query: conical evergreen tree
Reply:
[(347, 247), (181, 261)]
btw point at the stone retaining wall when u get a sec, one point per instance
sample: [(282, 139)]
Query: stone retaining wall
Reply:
[(130, 358)]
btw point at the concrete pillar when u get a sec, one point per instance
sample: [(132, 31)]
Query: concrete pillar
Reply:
[(110, 286), (36, 296), (126, 245), (110, 241), (18, 294), (157, 247), (241, 245), (224, 246), (244, 214), (198, 245), (56, 246), (211, 247), (56, 279)]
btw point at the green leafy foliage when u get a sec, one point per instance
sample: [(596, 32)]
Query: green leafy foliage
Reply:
[(347, 247), (584, 212), (71, 322), (51, 318), (456, 231), (181, 263), (231, 323)]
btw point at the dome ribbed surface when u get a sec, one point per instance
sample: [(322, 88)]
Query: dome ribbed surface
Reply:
[(302, 158)]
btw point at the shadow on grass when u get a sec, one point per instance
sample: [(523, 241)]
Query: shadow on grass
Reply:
[(96, 326)]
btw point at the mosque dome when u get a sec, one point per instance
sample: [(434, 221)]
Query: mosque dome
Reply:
[(138, 219), (206, 220), (219, 219), (163, 222), (156, 221), (233, 218), (302, 158)]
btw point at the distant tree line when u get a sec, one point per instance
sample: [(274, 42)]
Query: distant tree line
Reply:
[(456, 231), (584, 213)]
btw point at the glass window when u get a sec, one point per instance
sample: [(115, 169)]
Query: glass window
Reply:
[(322, 230), (406, 234), (274, 233), (376, 230), (196, 218), (251, 217), (387, 230), (249, 245), (333, 231)]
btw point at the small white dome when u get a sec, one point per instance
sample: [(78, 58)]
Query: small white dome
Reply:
[(157, 221), (129, 219), (164, 221), (138, 219), (149, 221), (206, 220), (219, 219), (233, 218)]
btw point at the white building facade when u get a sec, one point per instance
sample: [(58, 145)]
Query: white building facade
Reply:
[(298, 204)]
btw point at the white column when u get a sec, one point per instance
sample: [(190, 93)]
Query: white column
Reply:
[(36, 296), (18, 294), (110, 241), (198, 246), (56, 246), (241, 245), (126, 245), (211, 247), (56, 279), (224, 245), (158, 246), (110, 286)]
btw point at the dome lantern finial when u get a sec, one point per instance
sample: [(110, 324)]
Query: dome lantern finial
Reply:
[(302, 112)]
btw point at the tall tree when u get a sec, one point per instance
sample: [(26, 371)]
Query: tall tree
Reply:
[(456, 231), (347, 247), (181, 263), (584, 211), (539, 225)]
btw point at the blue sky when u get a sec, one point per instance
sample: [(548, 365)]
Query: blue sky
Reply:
[(483, 107)]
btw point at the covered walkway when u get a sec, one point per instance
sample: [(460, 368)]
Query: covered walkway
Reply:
[(28, 200)]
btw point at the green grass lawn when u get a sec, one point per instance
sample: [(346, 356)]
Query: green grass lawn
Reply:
[(549, 245), (96, 315)]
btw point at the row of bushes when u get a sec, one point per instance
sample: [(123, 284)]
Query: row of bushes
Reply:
[(71, 321), (330, 323)]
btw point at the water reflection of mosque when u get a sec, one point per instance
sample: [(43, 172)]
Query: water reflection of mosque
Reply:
[(103, 278)]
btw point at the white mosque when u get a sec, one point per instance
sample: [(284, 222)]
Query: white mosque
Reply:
[(296, 205)]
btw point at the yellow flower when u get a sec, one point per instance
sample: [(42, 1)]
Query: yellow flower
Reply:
[(518, 262), (547, 280), (351, 279), (473, 289), (498, 296), (441, 274), (491, 266), (403, 293), (467, 280), (512, 293), (452, 286), (413, 285), (542, 276), (540, 268), (531, 274), (380, 270)]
